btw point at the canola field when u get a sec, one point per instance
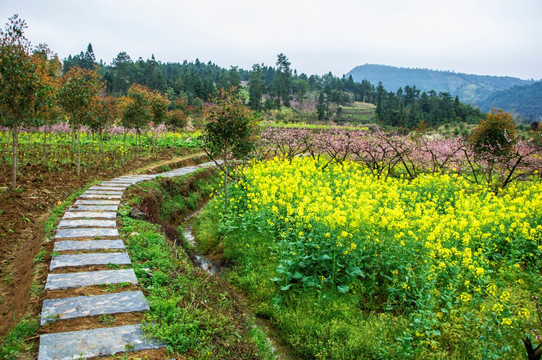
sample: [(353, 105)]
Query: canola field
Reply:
[(454, 268)]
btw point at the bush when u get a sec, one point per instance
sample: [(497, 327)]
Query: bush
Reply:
[(495, 135)]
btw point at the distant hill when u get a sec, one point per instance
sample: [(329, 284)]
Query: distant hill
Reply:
[(470, 88), (520, 100)]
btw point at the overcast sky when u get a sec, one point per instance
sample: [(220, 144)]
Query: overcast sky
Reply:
[(493, 37)]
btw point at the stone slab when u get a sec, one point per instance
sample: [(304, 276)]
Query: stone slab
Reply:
[(116, 183), (89, 278), (86, 233), (108, 188), (104, 192), (88, 245), (89, 223), (128, 182), (79, 260), (91, 343), (100, 196), (97, 202), (89, 215), (81, 306), (84, 208)]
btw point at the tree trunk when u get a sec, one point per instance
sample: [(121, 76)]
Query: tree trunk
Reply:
[(15, 156), (73, 142), (226, 184), (137, 144), (102, 145), (155, 135), (44, 143), (78, 153)]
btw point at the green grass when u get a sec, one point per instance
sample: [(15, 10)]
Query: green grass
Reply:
[(14, 343), (196, 315)]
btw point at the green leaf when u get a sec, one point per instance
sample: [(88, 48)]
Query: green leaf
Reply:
[(354, 271), (343, 289)]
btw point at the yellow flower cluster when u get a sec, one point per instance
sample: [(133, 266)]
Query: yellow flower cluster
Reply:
[(440, 231)]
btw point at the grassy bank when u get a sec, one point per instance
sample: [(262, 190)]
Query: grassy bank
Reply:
[(197, 315)]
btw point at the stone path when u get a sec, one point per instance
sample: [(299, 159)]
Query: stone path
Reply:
[(90, 226)]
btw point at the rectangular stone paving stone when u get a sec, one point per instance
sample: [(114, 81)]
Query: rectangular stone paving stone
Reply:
[(86, 233), (108, 187), (78, 260), (77, 223), (128, 182), (97, 202), (66, 245), (80, 306), (100, 196), (97, 342), (90, 215), (104, 192), (89, 278), (84, 208), (117, 183)]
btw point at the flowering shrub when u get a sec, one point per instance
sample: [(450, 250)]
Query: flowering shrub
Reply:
[(393, 154)]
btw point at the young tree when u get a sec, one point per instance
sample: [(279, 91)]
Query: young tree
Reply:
[(18, 83), (48, 70), (230, 131), (77, 96), (176, 120), (137, 112), (494, 136), (159, 106), (101, 116)]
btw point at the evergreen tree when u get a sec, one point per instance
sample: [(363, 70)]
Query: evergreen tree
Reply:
[(379, 98), (89, 59), (282, 82), (322, 107), (255, 88), (302, 87), (234, 79)]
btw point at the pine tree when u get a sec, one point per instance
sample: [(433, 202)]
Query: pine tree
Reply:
[(255, 88), (282, 82)]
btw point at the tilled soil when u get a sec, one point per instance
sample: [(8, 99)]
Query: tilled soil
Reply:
[(23, 213)]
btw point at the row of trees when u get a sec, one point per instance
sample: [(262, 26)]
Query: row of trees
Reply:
[(276, 87), (406, 108), (34, 92), (493, 156)]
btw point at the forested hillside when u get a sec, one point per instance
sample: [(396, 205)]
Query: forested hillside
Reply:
[(469, 88), (525, 101), (270, 88)]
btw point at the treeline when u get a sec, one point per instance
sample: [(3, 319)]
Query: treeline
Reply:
[(268, 88), (407, 108)]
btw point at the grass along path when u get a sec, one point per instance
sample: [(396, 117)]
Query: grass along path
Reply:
[(196, 314)]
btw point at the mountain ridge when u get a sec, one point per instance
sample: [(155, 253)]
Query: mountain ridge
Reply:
[(471, 88)]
